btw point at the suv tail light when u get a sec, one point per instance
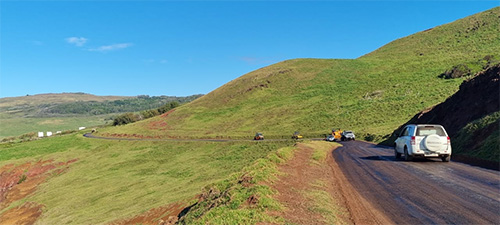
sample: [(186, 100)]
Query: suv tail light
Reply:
[(412, 140), (448, 137)]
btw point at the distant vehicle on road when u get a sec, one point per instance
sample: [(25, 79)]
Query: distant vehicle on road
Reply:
[(337, 134), (258, 136), (330, 138), (296, 135), (348, 136), (423, 140)]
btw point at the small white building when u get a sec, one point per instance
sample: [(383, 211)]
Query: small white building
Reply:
[(49, 133), (40, 134), (81, 128)]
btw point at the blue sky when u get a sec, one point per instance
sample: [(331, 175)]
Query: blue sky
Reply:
[(182, 48)]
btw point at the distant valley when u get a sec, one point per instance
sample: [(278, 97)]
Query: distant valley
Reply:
[(68, 111)]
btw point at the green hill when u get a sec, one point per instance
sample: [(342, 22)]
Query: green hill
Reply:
[(371, 95)]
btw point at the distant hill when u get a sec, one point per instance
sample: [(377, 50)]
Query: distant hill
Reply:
[(55, 98), (49, 112), (372, 95)]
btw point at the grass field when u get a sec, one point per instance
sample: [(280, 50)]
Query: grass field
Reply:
[(12, 126), (119, 179)]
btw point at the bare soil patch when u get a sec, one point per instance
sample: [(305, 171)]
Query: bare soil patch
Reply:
[(300, 176), (27, 213), (164, 215), (18, 182)]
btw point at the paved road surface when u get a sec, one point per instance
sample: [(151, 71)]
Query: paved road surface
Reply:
[(89, 135), (425, 191)]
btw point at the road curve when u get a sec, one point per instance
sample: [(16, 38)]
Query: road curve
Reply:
[(425, 191)]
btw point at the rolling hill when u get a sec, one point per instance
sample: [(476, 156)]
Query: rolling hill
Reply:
[(372, 95), (68, 111)]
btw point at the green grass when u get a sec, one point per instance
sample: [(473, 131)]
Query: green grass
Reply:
[(120, 179), (225, 202), (371, 95), (15, 126), (324, 204)]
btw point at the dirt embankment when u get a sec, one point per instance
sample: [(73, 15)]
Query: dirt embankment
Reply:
[(476, 98), (18, 182)]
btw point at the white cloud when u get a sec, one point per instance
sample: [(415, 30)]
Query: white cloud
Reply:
[(77, 41), (106, 48)]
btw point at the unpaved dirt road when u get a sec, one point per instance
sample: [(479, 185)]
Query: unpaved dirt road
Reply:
[(425, 191)]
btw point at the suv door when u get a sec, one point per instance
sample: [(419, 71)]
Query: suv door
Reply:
[(401, 140)]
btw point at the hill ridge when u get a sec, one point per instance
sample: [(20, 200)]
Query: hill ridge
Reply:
[(371, 95)]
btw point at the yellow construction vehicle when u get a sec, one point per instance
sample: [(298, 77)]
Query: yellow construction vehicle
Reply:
[(337, 134), (296, 135)]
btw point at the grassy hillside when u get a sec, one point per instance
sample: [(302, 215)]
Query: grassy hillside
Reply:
[(112, 180), (373, 94), (68, 111)]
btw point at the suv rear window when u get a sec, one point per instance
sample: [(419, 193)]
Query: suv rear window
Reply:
[(428, 130)]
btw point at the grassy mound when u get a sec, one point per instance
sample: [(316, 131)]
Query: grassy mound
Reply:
[(371, 95)]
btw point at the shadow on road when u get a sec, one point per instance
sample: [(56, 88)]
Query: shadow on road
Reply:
[(393, 159)]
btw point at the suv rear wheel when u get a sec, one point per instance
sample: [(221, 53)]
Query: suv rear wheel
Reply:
[(396, 153), (445, 158), (407, 156)]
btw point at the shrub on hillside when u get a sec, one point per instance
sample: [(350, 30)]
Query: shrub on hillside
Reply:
[(127, 118), (167, 107), (457, 71)]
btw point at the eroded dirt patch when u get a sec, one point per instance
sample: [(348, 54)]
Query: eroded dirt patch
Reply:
[(27, 213), (165, 215), (17, 182)]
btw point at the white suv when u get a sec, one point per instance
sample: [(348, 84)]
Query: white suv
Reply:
[(423, 140)]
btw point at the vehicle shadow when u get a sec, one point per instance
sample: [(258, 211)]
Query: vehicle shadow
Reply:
[(393, 159)]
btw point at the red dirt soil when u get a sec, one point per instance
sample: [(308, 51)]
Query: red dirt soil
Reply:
[(18, 182), (164, 215), (301, 174), (28, 213)]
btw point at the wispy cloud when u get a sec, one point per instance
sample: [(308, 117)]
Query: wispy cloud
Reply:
[(107, 48), (77, 41)]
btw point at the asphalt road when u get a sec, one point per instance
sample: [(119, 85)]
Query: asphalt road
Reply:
[(425, 191), (89, 135)]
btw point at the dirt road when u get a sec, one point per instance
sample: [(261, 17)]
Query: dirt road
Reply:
[(425, 191)]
